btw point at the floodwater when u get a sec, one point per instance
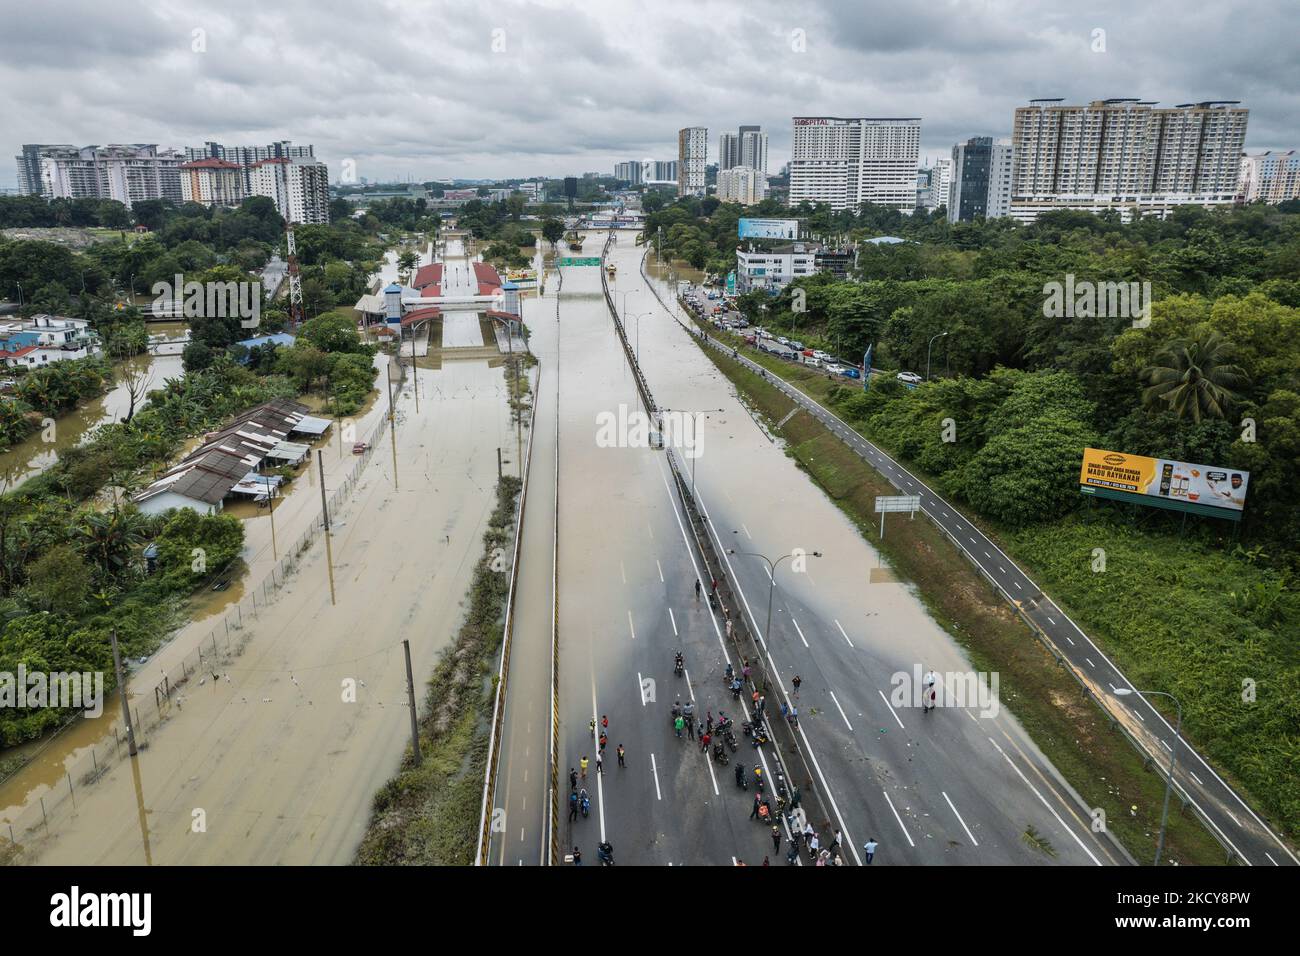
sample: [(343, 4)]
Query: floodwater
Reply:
[(35, 454), (938, 788)]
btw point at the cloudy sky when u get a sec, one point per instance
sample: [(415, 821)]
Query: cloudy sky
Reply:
[(496, 88)]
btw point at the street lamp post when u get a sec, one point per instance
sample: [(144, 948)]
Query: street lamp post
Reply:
[(771, 574), (1173, 757), (927, 353), (694, 437)]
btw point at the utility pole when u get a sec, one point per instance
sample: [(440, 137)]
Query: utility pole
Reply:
[(410, 699), (325, 515), (392, 420), (121, 692), (275, 553)]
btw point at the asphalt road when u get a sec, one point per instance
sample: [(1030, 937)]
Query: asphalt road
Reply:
[(1227, 813)]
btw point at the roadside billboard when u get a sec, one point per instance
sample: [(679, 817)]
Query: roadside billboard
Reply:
[(1164, 483), (768, 229)]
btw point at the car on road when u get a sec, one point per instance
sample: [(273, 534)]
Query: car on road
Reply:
[(911, 378), (359, 448)]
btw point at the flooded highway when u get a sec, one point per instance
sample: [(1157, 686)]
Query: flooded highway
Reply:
[(951, 786)]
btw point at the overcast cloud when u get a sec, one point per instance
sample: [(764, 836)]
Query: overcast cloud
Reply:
[(416, 88)]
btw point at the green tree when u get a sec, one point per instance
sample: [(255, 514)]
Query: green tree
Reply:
[(1194, 378)]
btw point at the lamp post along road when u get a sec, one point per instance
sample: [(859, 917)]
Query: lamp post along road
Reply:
[(1173, 757), (927, 353), (771, 574)]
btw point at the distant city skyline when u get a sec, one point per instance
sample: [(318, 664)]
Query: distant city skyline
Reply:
[(526, 89)]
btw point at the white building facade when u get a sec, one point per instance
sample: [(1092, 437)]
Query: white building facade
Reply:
[(1125, 155), (212, 182), (773, 269), (741, 184), (299, 188), (692, 157), (847, 162), (1270, 177)]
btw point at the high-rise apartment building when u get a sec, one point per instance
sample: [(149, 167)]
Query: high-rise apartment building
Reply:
[(741, 184), (940, 182), (746, 147), (629, 172), (981, 179), (692, 157), (846, 162), (247, 156), (212, 182), (29, 165), (1124, 154), (1270, 177), (299, 187), (127, 173)]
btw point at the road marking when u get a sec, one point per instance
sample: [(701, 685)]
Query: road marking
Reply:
[(896, 817), (973, 541), (1051, 622), (800, 630), (640, 683), (1202, 783), (1090, 663), (1044, 802), (889, 707), (672, 617), (654, 770), (846, 637), (960, 820), (629, 625), (1017, 584), (651, 530), (987, 555), (661, 570), (746, 530), (1002, 569), (622, 571), (1139, 716), (690, 691), (841, 710), (1171, 750), (1071, 640)]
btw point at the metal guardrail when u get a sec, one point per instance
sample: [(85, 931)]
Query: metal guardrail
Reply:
[(553, 844), (744, 641)]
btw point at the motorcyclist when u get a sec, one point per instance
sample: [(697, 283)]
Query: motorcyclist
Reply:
[(585, 800), (740, 776), (678, 664), (605, 852)]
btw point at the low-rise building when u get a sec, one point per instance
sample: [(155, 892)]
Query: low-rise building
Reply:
[(42, 339), (773, 269)]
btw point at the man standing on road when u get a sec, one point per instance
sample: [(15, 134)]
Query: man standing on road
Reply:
[(621, 761), (600, 763), (776, 839), (796, 682), (573, 805), (697, 589), (577, 857), (583, 764), (704, 742), (870, 849), (573, 779)]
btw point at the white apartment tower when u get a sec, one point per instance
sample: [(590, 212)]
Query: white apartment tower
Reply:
[(1270, 177), (127, 173), (741, 184), (1124, 154), (692, 156), (746, 147), (212, 182), (299, 187), (846, 162)]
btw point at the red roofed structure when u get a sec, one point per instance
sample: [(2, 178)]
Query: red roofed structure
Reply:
[(489, 280), (427, 276)]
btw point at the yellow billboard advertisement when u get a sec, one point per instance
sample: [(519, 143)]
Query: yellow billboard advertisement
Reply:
[(1177, 482)]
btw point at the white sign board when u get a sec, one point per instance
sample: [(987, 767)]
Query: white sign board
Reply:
[(898, 503)]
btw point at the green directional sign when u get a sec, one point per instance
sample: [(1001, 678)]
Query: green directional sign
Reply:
[(580, 261)]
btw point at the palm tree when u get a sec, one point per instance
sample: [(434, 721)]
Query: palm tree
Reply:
[(1194, 380)]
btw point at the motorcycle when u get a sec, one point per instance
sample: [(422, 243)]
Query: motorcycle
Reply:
[(678, 667), (586, 805), (741, 782), (780, 784), (605, 853), (720, 754), (759, 738), (730, 738)]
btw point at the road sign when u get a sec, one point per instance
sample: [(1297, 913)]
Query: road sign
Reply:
[(578, 261), (884, 503)]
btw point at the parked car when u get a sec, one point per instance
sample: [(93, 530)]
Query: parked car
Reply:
[(797, 346), (911, 378), (850, 372), (783, 340)]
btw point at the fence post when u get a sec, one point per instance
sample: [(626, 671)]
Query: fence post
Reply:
[(68, 774)]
